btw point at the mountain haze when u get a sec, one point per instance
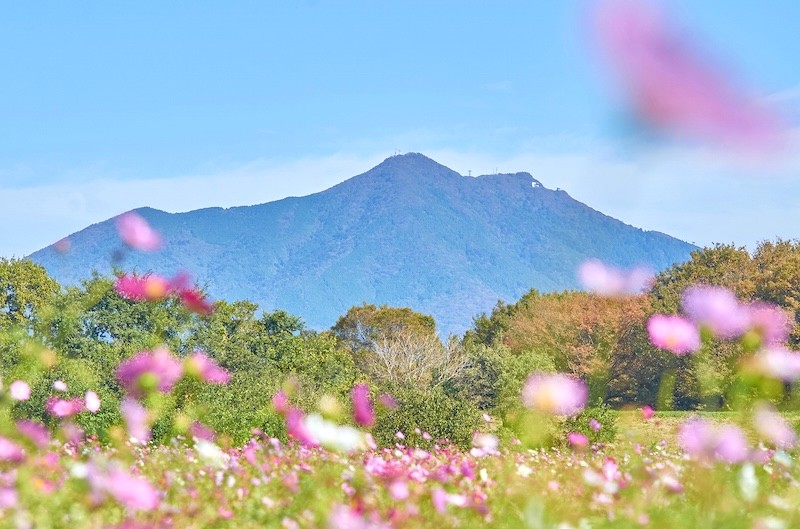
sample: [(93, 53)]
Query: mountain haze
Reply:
[(409, 232)]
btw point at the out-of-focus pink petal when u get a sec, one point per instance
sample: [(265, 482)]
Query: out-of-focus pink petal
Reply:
[(671, 86), (135, 493), (135, 231), (778, 362), (717, 309), (773, 428), (557, 394), (206, 369), (10, 451), (771, 322), (137, 420), (92, 401), (363, 413), (673, 333), (159, 364), (19, 390), (63, 407), (606, 280)]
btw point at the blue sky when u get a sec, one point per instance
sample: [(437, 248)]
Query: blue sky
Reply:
[(107, 107)]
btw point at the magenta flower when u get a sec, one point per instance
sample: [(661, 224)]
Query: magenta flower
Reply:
[(136, 232), (606, 280), (280, 402), (149, 287), (578, 440), (19, 390), (156, 369), (63, 407), (717, 309), (206, 369), (10, 451), (363, 413), (670, 86), (135, 493), (36, 432), (778, 362), (387, 401), (705, 440), (556, 394), (296, 428), (673, 333), (137, 420), (594, 424), (647, 412), (60, 385), (196, 302), (773, 428)]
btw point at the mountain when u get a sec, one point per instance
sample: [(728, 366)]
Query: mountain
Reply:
[(409, 232)]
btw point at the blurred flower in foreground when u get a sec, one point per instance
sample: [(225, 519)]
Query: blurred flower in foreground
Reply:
[(773, 428), (717, 309), (647, 412), (706, 440), (777, 362), (149, 370), (605, 280), (92, 401), (671, 86), (363, 413), (19, 390), (206, 369), (136, 233), (557, 394), (137, 420), (10, 451), (36, 432), (673, 333), (63, 408)]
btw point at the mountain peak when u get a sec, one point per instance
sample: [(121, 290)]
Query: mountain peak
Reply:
[(414, 163)]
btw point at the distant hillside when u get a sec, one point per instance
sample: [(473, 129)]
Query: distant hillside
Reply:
[(409, 232)]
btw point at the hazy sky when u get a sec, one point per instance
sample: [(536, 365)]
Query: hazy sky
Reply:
[(178, 106)]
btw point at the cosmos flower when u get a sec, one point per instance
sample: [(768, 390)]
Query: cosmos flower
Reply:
[(706, 440), (717, 309), (363, 413), (156, 369), (134, 231), (671, 86), (149, 287), (773, 428), (63, 407), (771, 322), (777, 362), (133, 492), (556, 394), (92, 401), (137, 420), (606, 280), (673, 333), (10, 451), (36, 432), (19, 390), (647, 412), (206, 369), (578, 440)]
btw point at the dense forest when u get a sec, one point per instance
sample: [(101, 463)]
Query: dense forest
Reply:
[(426, 384)]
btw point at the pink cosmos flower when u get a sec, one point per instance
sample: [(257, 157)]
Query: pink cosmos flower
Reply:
[(774, 428), (206, 369), (387, 401), (280, 402), (669, 83), (60, 385), (578, 440), (149, 287), (606, 280), (196, 302), (135, 493), (556, 394), (771, 322), (778, 362), (705, 440), (137, 420), (594, 424), (158, 367), (717, 309), (363, 413), (673, 333), (35, 431), (136, 233), (19, 390), (296, 428), (92, 401), (9, 498), (63, 408), (647, 413), (10, 451)]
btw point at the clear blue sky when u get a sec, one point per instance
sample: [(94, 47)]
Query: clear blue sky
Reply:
[(175, 105)]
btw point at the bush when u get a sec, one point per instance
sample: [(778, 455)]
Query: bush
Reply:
[(429, 410)]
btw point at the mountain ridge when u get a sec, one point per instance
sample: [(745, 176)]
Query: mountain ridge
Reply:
[(408, 232)]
